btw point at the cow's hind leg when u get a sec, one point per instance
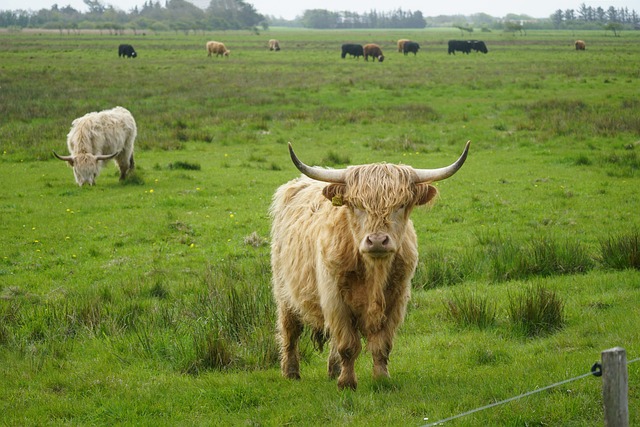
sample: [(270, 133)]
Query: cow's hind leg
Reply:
[(125, 166), (289, 331)]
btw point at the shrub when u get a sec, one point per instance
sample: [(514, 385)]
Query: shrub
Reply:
[(536, 311), (540, 257), (184, 166), (621, 252), (471, 310), (583, 160), (439, 269)]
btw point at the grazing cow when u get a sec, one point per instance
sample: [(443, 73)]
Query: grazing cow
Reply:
[(97, 137), (410, 46), (580, 45), (343, 253), (374, 51), (354, 50), (218, 48), (479, 46), (274, 45), (460, 45), (126, 50), (401, 43)]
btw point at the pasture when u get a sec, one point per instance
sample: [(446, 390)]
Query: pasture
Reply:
[(148, 301)]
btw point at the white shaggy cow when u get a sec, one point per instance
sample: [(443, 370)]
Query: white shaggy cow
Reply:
[(274, 45), (218, 48), (97, 137), (343, 253)]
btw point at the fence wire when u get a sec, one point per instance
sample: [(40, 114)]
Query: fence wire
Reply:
[(529, 393)]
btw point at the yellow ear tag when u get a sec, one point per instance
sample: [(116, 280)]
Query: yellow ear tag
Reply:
[(336, 200)]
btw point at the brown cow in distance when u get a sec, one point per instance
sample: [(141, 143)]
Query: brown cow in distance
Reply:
[(343, 253), (580, 45), (374, 51)]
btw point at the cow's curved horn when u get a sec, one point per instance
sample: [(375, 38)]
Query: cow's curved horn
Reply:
[(65, 158), (321, 174), (104, 157), (433, 175)]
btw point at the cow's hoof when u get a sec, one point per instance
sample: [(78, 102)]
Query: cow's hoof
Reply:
[(353, 385), (380, 372), (292, 375)]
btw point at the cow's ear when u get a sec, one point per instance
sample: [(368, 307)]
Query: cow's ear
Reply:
[(425, 194), (335, 193)]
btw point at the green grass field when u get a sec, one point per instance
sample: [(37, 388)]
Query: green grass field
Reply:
[(148, 302)]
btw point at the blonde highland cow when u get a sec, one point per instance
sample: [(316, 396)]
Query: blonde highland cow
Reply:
[(217, 49), (343, 254)]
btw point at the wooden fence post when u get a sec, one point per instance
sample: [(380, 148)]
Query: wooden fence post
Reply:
[(615, 387)]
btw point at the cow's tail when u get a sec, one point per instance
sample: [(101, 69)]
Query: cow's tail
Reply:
[(319, 337)]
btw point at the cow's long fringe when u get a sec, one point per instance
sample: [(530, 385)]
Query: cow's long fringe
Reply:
[(380, 187)]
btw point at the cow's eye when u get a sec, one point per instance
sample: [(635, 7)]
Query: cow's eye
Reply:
[(358, 211)]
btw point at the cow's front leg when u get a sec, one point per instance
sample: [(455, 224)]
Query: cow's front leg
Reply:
[(345, 345), (289, 331), (124, 165), (345, 348), (380, 344), (348, 352)]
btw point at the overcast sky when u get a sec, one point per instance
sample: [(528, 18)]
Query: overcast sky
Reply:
[(289, 9)]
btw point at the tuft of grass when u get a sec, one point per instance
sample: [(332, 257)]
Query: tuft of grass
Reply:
[(160, 291), (136, 177), (440, 268), (539, 257), (622, 164), (471, 310), (621, 252), (212, 351), (582, 160), (536, 311), (180, 165), (255, 240), (550, 257)]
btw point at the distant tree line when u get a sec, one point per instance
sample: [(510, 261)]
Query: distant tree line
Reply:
[(181, 15), (177, 15), (589, 16), (324, 19)]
